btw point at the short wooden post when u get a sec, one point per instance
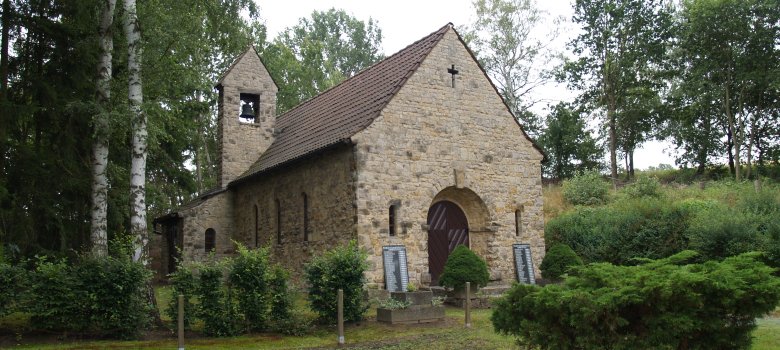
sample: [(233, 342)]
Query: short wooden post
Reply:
[(341, 316), (468, 304), (181, 322)]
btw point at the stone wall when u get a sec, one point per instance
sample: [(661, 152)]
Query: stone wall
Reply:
[(435, 142), (213, 212), (327, 181), (241, 143)]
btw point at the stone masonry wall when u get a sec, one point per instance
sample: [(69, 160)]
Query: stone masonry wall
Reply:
[(214, 212), (327, 181), (241, 143), (435, 142)]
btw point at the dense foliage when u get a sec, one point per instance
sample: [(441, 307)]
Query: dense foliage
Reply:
[(249, 274), (183, 283), (662, 304), (216, 302), (339, 268), (587, 188), (105, 296), (463, 266), (558, 259), (734, 220)]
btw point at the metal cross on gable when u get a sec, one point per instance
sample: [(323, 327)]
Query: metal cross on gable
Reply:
[(452, 71)]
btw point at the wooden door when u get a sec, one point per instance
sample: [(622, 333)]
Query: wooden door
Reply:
[(447, 228)]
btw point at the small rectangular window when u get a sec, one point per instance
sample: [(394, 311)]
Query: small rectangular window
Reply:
[(278, 222), (391, 220), (305, 218), (519, 221)]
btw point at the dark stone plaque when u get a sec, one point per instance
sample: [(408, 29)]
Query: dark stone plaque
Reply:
[(396, 272), (523, 263)]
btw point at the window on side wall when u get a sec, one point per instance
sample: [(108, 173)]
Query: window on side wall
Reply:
[(210, 239)]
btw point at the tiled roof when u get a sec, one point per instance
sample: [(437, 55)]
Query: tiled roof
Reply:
[(337, 114)]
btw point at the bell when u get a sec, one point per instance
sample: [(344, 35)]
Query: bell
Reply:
[(247, 112)]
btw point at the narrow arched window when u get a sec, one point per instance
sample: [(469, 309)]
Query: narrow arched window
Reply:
[(210, 239), (257, 227), (305, 218), (391, 219), (519, 221), (278, 222)]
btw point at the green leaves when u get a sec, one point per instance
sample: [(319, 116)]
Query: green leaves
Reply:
[(463, 266), (340, 268)]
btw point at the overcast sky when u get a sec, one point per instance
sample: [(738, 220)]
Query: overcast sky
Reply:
[(405, 21)]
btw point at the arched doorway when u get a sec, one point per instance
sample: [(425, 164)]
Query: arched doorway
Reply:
[(447, 228)]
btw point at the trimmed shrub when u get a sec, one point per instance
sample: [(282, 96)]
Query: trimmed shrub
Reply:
[(248, 276), (340, 268), (183, 282), (106, 296), (587, 188), (217, 308), (463, 266), (644, 186), (557, 261), (662, 304)]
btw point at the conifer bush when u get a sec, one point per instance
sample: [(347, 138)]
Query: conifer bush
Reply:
[(463, 266), (558, 259), (660, 304), (340, 268)]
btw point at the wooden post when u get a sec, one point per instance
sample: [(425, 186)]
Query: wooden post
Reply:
[(341, 316), (468, 304), (181, 322)]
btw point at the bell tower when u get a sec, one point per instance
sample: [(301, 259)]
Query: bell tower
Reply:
[(247, 114)]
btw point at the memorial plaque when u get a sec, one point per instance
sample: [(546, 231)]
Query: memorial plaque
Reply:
[(396, 271), (523, 263)]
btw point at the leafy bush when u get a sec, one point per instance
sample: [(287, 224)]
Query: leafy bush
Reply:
[(248, 272), (662, 304), (557, 260), (13, 280), (101, 295), (644, 186), (183, 282), (587, 188), (340, 268), (217, 307), (464, 266)]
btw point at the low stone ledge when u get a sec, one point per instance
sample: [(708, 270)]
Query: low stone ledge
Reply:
[(411, 314)]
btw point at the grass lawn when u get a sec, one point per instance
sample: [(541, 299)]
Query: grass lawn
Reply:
[(369, 334)]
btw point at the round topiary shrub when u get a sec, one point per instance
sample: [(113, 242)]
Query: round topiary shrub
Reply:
[(588, 188), (464, 266), (558, 260)]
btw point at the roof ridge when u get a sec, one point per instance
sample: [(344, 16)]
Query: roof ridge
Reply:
[(448, 25)]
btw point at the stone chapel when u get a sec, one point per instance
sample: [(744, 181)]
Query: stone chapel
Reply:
[(418, 150)]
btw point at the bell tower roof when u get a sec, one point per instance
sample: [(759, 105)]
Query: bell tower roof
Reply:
[(243, 56)]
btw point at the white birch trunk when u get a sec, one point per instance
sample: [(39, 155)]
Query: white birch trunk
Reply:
[(138, 166), (98, 233)]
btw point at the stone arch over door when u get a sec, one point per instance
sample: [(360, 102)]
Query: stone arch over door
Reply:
[(454, 214)]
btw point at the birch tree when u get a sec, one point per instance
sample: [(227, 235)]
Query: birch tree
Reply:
[(138, 164), (101, 125)]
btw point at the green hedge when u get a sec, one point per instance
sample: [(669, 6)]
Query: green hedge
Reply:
[(340, 268), (662, 304), (557, 261)]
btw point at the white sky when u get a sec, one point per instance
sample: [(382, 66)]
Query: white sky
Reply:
[(405, 21)]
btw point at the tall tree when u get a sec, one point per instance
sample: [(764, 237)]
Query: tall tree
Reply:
[(138, 225), (619, 38), (737, 58), (506, 38), (99, 236), (569, 146), (327, 48)]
